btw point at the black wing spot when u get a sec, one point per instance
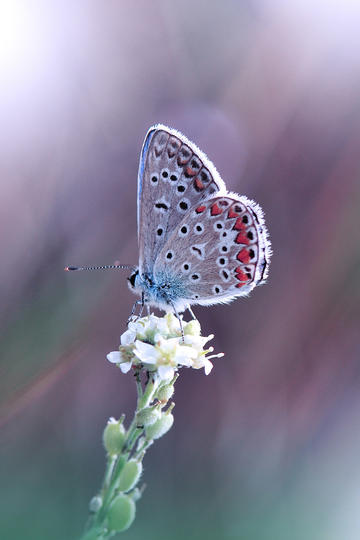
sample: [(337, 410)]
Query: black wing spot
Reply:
[(183, 205), (162, 206), (196, 249)]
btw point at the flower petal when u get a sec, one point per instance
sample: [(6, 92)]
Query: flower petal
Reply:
[(125, 366), (207, 366), (146, 352), (165, 372), (115, 357), (128, 337)]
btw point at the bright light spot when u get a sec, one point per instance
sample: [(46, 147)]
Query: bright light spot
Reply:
[(14, 34)]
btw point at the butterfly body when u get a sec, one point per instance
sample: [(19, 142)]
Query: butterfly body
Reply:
[(163, 290), (199, 244)]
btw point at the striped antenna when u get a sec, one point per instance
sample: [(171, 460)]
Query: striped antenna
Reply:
[(105, 267)]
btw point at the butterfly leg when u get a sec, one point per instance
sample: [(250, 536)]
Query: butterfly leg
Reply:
[(192, 313), (140, 303), (180, 321)]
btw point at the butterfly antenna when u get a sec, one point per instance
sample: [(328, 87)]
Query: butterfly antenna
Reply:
[(104, 267)]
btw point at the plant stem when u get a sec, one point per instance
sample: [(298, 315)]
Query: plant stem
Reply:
[(115, 464)]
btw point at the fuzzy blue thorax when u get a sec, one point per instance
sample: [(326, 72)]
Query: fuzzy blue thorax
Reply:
[(162, 289)]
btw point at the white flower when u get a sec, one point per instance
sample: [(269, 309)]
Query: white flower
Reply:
[(121, 359), (156, 344)]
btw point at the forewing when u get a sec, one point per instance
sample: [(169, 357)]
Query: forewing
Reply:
[(220, 248), (174, 175)]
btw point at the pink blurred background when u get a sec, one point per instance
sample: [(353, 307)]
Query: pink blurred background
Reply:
[(267, 446)]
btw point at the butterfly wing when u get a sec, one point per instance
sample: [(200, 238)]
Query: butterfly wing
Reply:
[(220, 248), (174, 175)]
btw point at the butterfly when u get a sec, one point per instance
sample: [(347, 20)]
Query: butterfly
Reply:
[(198, 243)]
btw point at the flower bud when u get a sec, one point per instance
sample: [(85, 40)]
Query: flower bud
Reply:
[(114, 437), (161, 426), (165, 392), (95, 504), (149, 415), (121, 513), (129, 475)]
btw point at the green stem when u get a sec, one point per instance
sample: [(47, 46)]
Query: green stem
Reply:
[(115, 464)]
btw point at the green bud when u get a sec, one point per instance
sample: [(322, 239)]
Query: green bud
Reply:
[(148, 416), (121, 513), (129, 475), (95, 504), (165, 392), (114, 437), (161, 426), (192, 328)]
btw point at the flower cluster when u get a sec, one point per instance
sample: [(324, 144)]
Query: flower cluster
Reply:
[(157, 344)]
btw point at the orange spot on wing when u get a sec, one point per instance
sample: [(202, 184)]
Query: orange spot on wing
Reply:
[(243, 256), (200, 209), (242, 239), (198, 183), (189, 171), (240, 275), (215, 210), (239, 225), (232, 214)]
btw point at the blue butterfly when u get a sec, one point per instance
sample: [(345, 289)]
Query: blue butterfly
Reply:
[(198, 243)]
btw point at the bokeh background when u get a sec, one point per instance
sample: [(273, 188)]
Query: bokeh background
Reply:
[(267, 446)]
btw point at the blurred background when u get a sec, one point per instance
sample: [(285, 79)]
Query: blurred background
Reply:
[(267, 446)]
